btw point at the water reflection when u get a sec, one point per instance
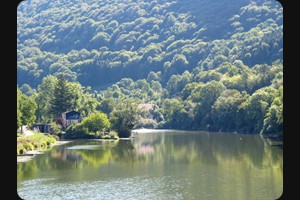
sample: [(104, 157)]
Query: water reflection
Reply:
[(210, 165)]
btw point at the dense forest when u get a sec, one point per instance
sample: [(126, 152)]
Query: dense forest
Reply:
[(205, 65)]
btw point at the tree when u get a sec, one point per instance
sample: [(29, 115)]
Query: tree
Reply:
[(187, 90), (64, 97), (170, 106), (225, 109), (97, 121), (27, 90), (88, 105), (273, 122), (27, 108), (82, 100), (19, 113), (256, 108), (125, 118), (208, 76), (175, 113), (152, 76), (205, 98), (107, 106), (44, 99), (173, 84)]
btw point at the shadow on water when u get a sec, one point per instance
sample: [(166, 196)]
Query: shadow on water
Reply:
[(275, 141)]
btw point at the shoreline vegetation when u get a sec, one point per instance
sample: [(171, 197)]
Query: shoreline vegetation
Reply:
[(76, 133), (33, 142), (36, 143), (31, 153)]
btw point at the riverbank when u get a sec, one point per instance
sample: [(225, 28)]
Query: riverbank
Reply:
[(35, 141), (28, 145), (31, 153)]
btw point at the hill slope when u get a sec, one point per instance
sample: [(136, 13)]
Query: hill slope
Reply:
[(100, 42)]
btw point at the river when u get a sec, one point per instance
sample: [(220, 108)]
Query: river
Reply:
[(157, 165)]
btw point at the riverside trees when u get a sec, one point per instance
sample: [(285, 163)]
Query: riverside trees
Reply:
[(223, 74)]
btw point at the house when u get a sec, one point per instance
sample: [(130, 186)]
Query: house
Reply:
[(70, 117), (149, 107)]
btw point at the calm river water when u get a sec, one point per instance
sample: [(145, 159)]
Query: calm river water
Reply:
[(157, 165)]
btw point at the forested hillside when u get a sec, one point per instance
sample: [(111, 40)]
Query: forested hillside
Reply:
[(206, 64), (100, 42)]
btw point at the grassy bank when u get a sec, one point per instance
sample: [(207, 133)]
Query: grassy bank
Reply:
[(33, 142)]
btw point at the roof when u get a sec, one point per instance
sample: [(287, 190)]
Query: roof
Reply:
[(71, 115), (70, 111)]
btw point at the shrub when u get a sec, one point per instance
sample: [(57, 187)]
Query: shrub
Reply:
[(22, 151), (113, 135), (125, 133), (19, 147), (51, 139), (55, 137), (56, 128), (76, 131), (28, 146), (43, 144), (116, 137), (35, 141), (105, 137), (36, 145)]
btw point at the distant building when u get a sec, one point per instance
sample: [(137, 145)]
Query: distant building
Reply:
[(147, 107), (70, 117)]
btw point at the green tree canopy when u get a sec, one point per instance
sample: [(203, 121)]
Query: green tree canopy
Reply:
[(64, 97), (19, 112), (44, 99), (125, 117), (27, 108), (95, 122), (225, 110)]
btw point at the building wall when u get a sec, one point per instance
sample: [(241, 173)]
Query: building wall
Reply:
[(69, 122)]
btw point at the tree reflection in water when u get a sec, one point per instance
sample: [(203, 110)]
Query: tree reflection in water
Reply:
[(198, 156)]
